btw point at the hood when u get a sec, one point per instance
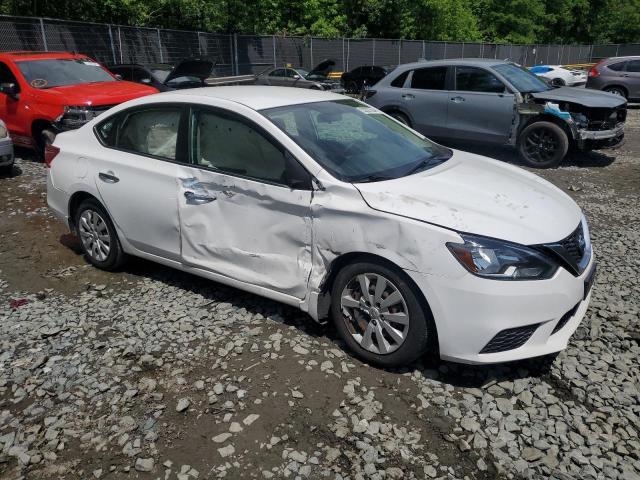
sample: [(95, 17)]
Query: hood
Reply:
[(323, 68), (193, 67), (582, 96), (99, 93), (473, 194)]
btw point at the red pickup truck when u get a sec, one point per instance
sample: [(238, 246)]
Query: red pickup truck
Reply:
[(43, 93)]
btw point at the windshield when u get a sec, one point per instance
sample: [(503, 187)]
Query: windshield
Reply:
[(62, 71), (523, 80), (355, 142), (161, 74), (302, 72)]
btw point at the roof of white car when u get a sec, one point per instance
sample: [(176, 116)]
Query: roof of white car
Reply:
[(253, 96)]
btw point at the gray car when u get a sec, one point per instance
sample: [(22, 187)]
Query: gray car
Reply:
[(6, 149), (499, 102), (617, 75), (316, 79)]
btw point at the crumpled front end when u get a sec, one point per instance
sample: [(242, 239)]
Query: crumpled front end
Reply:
[(591, 128)]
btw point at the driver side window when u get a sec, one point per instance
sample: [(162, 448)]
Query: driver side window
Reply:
[(227, 143), (472, 79), (6, 76)]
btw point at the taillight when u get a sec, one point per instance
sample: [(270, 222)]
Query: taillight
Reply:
[(50, 152), (594, 72)]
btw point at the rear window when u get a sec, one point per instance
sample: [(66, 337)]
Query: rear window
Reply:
[(429, 78)]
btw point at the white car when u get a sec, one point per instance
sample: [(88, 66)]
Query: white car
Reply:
[(6, 149), (559, 76), (325, 203)]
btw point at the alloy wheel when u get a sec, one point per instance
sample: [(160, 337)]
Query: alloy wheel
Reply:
[(375, 313), (542, 145), (94, 235)]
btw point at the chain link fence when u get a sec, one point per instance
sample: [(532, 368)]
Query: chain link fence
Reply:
[(246, 54)]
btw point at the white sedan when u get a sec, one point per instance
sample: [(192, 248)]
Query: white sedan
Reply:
[(325, 203), (559, 76)]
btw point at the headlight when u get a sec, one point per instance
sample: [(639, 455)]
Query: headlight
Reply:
[(75, 116), (3, 131), (501, 260)]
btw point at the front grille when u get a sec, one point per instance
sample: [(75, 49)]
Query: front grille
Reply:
[(564, 319), (606, 119), (509, 339), (572, 250)]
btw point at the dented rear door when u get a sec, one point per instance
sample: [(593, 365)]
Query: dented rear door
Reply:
[(238, 218)]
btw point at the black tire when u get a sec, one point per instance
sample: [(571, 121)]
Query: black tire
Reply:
[(43, 138), (558, 82), (543, 144), (420, 333), (401, 117), (116, 256), (616, 91), (352, 87)]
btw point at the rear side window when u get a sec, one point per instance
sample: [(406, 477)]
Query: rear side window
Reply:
[(400, 79), (429, 78), (472, 79), (278, 73), (617, 67), (151, 132), (633, 66)]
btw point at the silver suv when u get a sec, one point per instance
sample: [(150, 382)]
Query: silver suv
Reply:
[(499, 102), (617, 75)]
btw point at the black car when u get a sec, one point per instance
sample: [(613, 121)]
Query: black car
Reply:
[(190, 73), (355, 80)]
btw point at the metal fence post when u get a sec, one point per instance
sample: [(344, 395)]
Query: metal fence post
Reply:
[(373, 54), (444, 54), (462, 54), (399, 51), (160, 46), (311, 52), (590, 54), (44, 37), (347, 66), (617, 47), (120, 44), (424, 51), (344, 64), (235, 53), (199, 45), (113, 49), (275, 61)]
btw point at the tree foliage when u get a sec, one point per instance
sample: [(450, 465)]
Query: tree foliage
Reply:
[(516, 21)]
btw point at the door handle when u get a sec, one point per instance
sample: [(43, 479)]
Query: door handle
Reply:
[(408, 96), (108, 177), (457, 99), (194, 199)]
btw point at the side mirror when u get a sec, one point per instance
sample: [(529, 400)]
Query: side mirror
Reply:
[(118, 76), (296, 175), (145, 80), (9, 89)]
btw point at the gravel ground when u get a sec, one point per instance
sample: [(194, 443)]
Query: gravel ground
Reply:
[(152, 373)]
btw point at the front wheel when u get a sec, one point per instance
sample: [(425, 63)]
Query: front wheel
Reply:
[(98, 236), (401, 117), (379, 316), (543, 145)]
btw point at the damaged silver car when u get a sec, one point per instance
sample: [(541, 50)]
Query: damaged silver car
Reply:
[(499, 102)]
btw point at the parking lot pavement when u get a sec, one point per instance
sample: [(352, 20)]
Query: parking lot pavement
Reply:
[(152, 373)]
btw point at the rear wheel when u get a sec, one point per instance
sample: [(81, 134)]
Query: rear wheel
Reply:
[(98, 236), (558, 82), (401, 117), (616, 91), (352, 87), (378, 314), (543, 144)]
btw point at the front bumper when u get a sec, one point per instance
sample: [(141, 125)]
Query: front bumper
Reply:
[(470, 312), (6, 152)]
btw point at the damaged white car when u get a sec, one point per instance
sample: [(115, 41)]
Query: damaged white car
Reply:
[(327, 204)]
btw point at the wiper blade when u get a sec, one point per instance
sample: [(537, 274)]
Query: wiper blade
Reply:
[(428, 162), (372, 178)]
